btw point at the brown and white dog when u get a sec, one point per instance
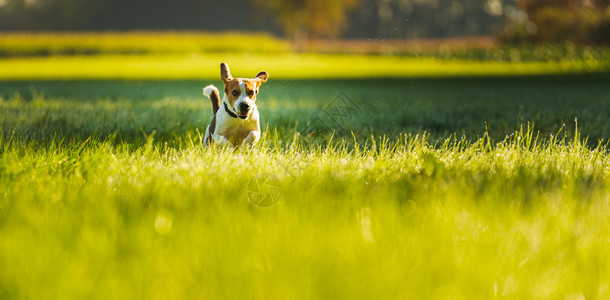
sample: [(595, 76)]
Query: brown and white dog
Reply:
[(237, 122)]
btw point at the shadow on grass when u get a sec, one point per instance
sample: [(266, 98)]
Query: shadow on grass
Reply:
[(176, 113)]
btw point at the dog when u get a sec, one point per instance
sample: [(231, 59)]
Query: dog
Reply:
[(237, 122)]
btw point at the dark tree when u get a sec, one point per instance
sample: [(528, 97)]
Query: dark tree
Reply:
[(303, 19), (555, 21)]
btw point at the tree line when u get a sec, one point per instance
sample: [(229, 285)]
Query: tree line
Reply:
[(581, 21)]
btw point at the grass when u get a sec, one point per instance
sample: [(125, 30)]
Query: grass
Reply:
[(437, 189), (462, 174), (441, 107), (27, 44), (37, 44), (193, 56), (279, 66), (402, 219)]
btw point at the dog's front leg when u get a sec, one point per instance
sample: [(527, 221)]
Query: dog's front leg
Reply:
[(220, 140), (251, 139)]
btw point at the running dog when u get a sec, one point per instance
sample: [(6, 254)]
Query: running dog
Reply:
[(237, 122)]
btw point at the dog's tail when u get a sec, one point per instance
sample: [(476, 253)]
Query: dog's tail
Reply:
[(212, 93)]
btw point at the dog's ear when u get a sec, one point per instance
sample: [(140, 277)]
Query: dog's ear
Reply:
[(225, 73), (261, 77)]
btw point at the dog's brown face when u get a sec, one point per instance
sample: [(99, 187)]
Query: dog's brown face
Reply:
[(241, 92)]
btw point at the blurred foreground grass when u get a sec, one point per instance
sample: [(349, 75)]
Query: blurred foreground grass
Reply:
[(106, 192), (523, 218)]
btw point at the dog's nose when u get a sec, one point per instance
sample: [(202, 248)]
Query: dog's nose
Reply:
[(244, 106)]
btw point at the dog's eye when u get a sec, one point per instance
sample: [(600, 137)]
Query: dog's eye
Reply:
[(251, 93), (235, 93)]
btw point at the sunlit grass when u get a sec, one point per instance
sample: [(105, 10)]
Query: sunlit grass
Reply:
[(135, 42), (523, 218), (108, 193), (280, 66), (27, 44), (196, 55)]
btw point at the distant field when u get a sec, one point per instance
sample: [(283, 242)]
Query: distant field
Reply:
[(279, 66), (136, 42), (106, 192), (191, 55), (180, 42)]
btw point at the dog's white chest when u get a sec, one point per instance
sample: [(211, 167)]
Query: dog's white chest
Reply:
[(235, 129)]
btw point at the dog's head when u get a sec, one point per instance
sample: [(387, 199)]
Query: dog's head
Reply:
[(241, 92)]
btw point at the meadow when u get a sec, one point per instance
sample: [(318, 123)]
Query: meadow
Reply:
[(195, 56), (439, 186)]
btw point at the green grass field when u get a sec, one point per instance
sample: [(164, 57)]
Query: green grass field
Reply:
[(107, 193), (438, 185)]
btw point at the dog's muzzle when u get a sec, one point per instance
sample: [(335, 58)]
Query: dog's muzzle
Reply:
[(240, 115), (244, 110)]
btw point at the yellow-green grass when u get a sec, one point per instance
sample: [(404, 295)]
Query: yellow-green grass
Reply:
[(196, 55), (106, 192), (25, 44), (281, 66), (396, 219), (72, 43)]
